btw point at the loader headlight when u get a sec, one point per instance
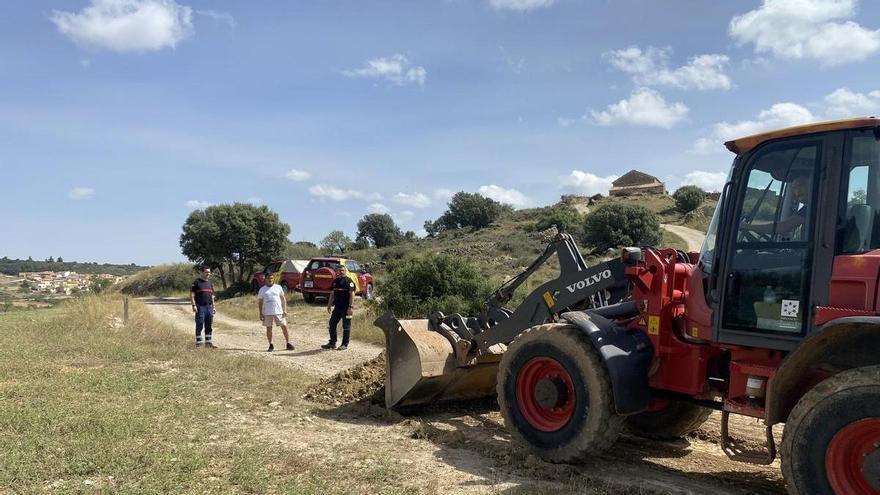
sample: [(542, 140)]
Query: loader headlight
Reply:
[(631, 255)]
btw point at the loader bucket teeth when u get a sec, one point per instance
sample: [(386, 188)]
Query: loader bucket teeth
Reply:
[(421, 367)]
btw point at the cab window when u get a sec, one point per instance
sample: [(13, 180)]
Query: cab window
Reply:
[(272, 267), (353, 266), (859, 227)]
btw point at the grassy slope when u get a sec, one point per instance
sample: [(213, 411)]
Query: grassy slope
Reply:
[(509, 245), (136, 410)]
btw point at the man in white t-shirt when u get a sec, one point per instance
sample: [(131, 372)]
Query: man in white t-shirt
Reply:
[(273, 310)]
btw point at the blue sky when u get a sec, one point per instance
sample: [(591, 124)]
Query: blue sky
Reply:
[(118, 117)]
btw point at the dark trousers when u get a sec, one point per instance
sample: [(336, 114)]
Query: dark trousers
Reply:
[(204, 318), (339, 314)]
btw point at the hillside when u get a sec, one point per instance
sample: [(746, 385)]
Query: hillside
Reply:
[(510, 244), (15, 266)]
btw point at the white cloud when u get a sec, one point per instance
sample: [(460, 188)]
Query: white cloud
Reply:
[(520, 5), (644, 107), (778, 115), (197, 205), (297, 175), (255, 201), (707, 181), (378, 208), (844, 103), (415, 200), (403, 216), (324, 191), (395, 69), (78, 193), (799, 29), (507, 196), (127, 25), (586, 183), (443, 194), (217, 15), (649, 67)]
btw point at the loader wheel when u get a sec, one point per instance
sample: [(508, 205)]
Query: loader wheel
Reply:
[(555, 394), (674, 419), (831, 442)]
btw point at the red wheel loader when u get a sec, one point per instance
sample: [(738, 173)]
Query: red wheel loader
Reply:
[(777, 318)]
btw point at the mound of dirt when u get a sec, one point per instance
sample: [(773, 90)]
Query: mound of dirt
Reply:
[(366, 381)]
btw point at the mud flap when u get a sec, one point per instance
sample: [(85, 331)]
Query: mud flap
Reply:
[(627, 356)]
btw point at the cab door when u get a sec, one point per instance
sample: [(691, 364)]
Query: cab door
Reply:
[(770, 277)]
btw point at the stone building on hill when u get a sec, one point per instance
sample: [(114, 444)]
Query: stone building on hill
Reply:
[(636, 183)]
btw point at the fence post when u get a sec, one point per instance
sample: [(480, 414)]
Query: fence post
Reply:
[(125, 310)]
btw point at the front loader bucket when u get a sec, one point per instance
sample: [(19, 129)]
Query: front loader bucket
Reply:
[(421, 367)]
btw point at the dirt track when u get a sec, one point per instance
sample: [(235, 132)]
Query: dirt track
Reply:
[(693, 238), (465, 449)]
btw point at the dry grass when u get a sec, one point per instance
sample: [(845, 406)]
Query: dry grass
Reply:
[(97, 406)]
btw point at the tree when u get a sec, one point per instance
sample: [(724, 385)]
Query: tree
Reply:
[(467, 210), (380, 229), (336, 242), (621, 224), (564, 216), (301, 250), (61, 260), (688, 198), (232, 239), (50, 260)]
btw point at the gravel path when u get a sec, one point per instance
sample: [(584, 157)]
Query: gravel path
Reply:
[(248, 336), (693, 238)]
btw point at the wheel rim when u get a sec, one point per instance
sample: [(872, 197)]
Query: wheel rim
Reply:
[(852, 459), (545, 394)]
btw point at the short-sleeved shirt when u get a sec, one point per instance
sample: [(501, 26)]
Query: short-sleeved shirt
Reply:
[(342, 289), (271, 297), (204, 292)]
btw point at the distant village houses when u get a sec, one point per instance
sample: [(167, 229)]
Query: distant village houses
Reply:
[(635, 183), (64, 282)]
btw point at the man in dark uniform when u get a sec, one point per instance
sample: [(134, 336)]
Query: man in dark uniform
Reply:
[(339, 305), (201, 295)]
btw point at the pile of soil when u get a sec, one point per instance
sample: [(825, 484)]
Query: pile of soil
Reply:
[(366, 381)]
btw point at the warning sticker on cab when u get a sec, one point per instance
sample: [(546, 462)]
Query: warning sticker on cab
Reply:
[(653, 325)]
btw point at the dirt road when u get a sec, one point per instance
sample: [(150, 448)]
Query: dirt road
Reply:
[(465, 448), (693, 238)]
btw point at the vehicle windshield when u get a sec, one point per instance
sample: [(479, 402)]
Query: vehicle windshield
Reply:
[(707, 251)]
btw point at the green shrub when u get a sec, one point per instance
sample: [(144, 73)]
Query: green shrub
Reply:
[(620, 224), (160, 280), (565, 217), (688, 198), (417, 287)]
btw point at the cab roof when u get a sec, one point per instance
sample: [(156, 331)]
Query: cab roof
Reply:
[(749, 143)]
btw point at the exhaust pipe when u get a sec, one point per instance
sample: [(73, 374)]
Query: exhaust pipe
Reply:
[(421, 367)]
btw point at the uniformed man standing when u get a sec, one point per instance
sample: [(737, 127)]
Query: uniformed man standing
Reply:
[(340, 305), (201, 294)]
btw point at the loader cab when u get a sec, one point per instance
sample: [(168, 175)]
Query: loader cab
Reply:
[(791, 207)]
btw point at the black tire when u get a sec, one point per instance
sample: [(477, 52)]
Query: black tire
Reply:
[(832, 405), (675, 420), (284, 286), (308, 297), (255, 286), (593, 426)]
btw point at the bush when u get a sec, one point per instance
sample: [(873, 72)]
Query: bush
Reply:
[(688, 198), (565, 217), (417, 287), (621, 224), (160, 280), (235, 290)]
